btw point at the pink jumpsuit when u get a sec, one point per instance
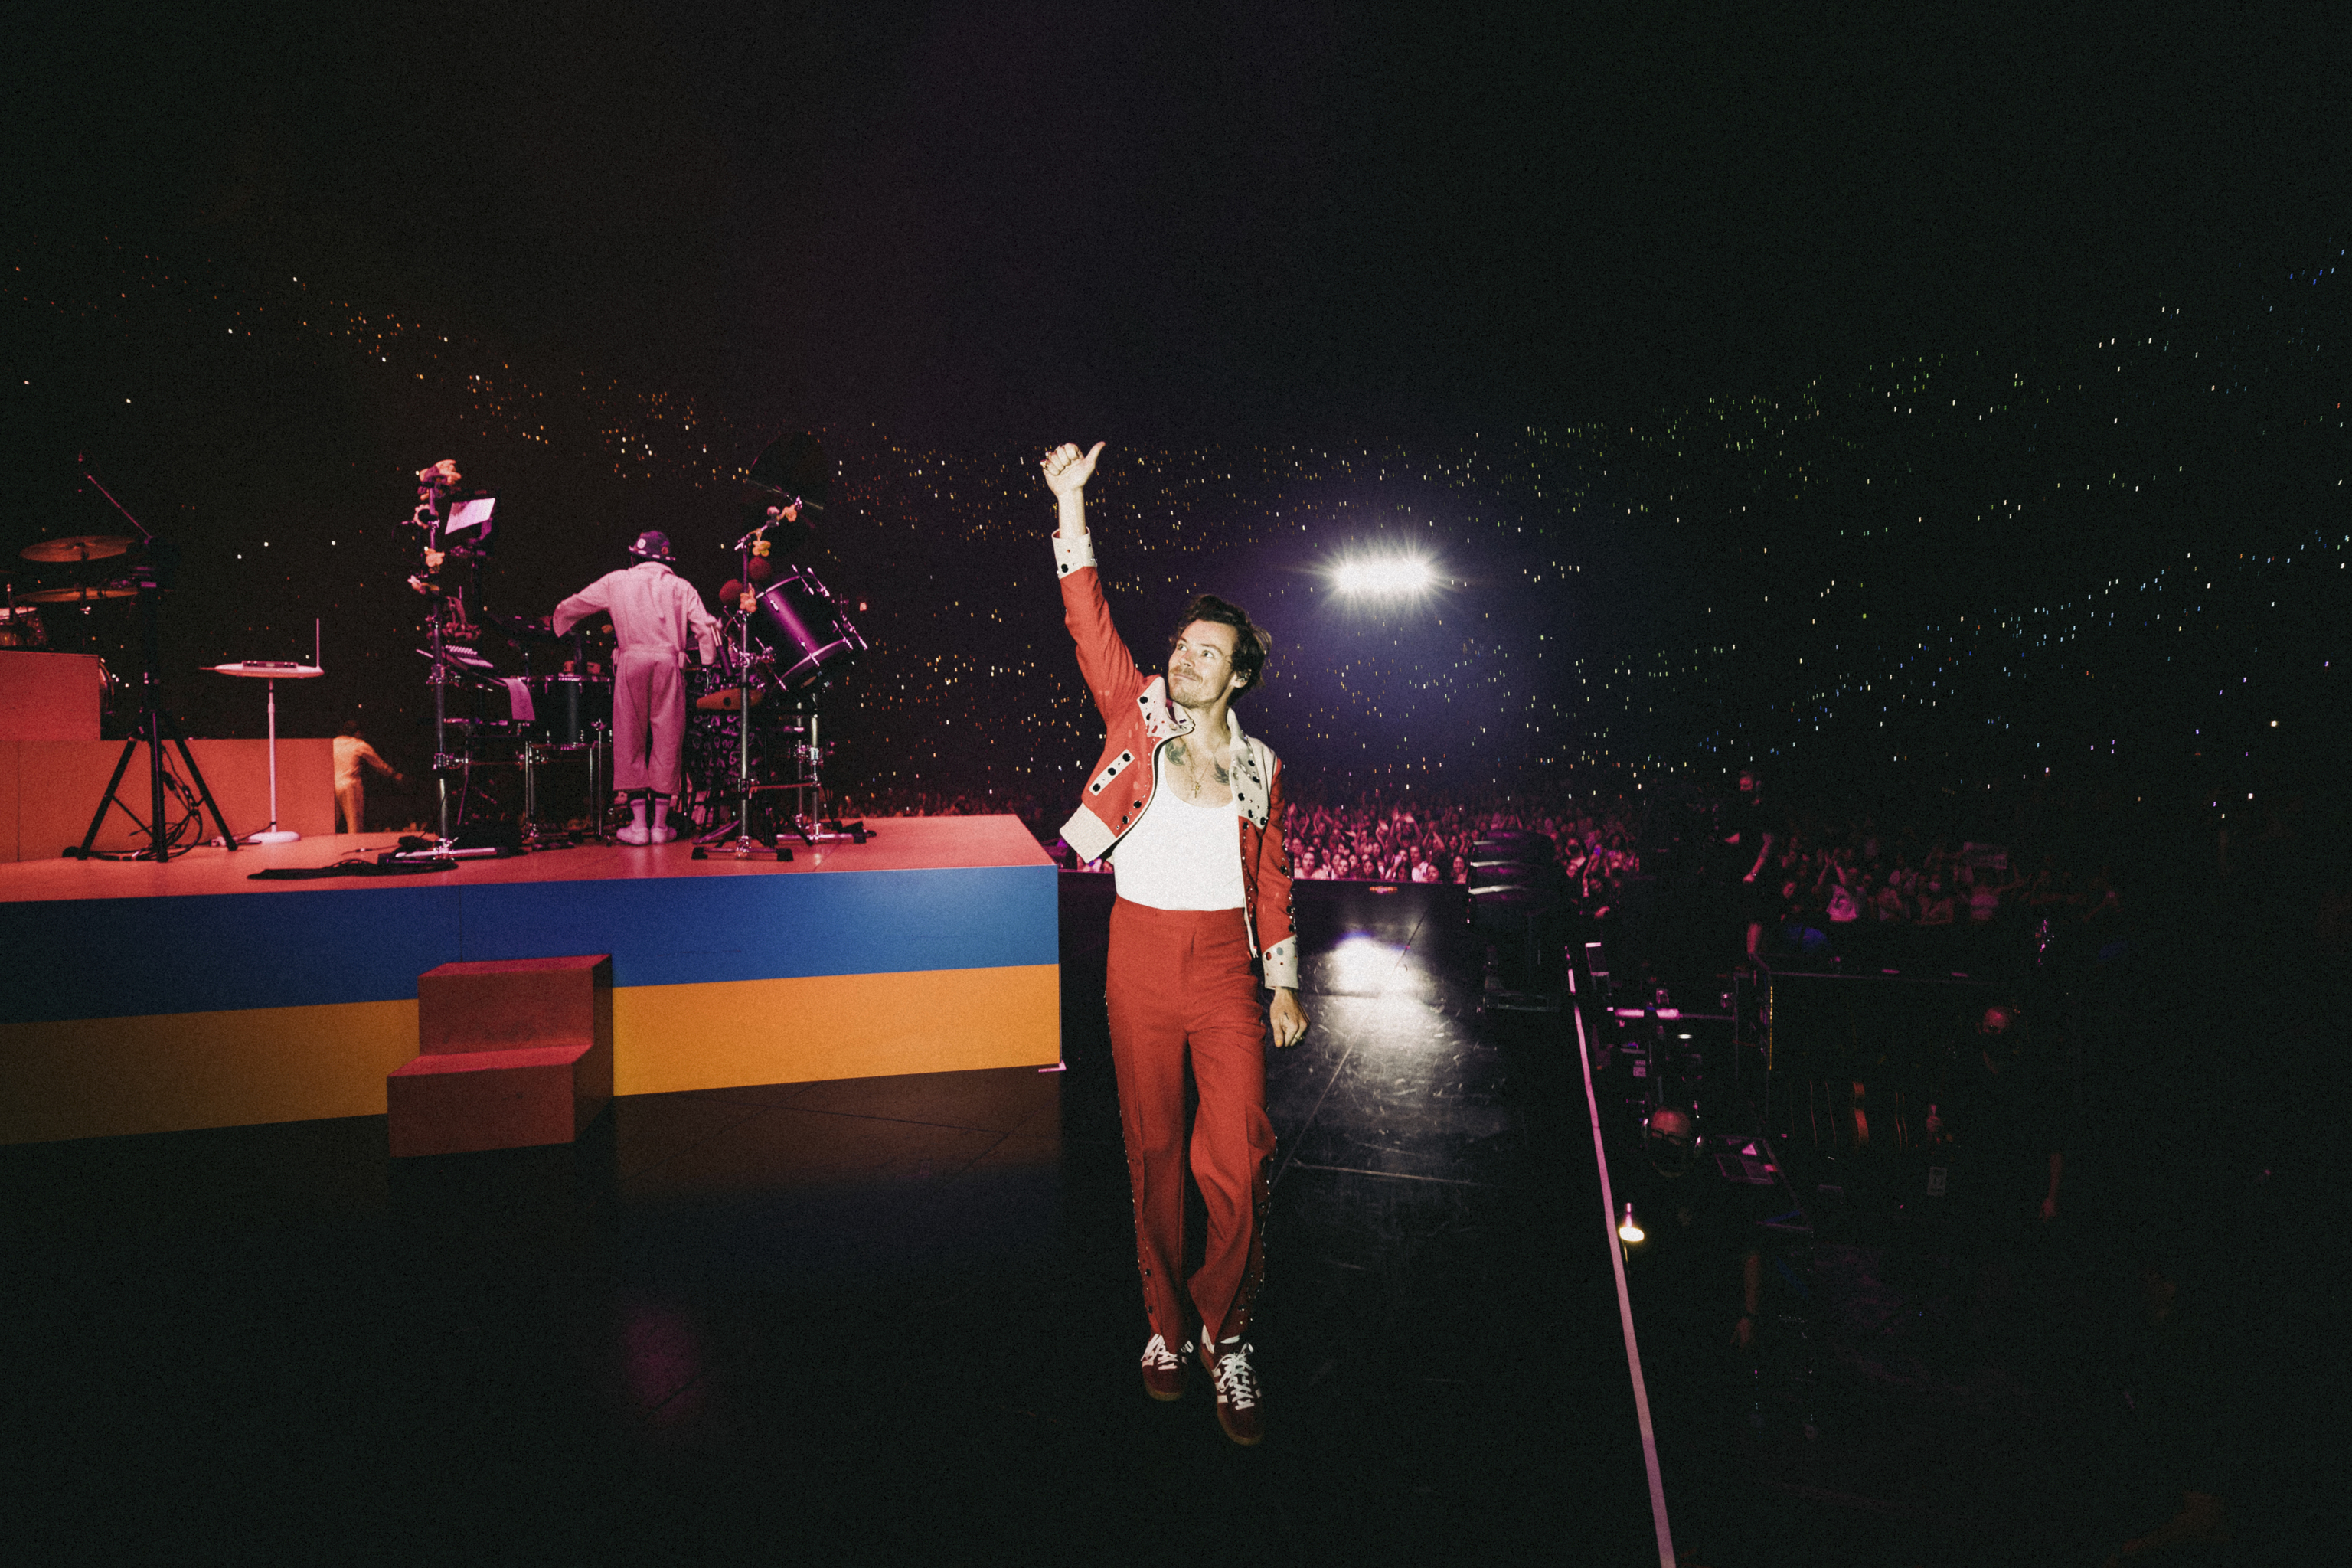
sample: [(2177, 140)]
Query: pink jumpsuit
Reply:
[(656, 614)]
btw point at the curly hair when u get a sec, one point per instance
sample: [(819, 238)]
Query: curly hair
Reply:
[(1252, 647)]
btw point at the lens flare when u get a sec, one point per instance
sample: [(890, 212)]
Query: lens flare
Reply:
[(1387, 576)]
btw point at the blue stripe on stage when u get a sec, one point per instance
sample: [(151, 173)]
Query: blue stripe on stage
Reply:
[(117, 958), (693, 931), (108, 958)]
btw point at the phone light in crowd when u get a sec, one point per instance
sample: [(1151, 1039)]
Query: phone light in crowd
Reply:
[(1628, 1231), (1385, 577)]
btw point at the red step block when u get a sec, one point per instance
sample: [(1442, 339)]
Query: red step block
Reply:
[(514, 1053)]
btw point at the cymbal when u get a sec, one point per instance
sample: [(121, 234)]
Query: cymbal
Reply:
[(82, 594), (80, 547), (793, 465), (729, 699)]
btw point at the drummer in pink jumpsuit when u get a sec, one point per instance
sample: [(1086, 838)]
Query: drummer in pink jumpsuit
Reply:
[(655, 615)]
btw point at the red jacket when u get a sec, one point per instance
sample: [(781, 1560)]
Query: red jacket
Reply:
[(1139, 720)]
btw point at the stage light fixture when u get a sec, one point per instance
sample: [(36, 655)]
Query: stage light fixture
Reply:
[(1384, 576), (1629, 1232)]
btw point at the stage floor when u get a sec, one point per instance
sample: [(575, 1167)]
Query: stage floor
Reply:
[(899, 844), (876, 1320), (145, 998)]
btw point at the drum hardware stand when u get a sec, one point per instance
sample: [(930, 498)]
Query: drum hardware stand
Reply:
[(600, 741), (529, 755), (790, 475), (744, 845), (436, 505), (448, 608), (154, 725), (811, 754), (596, 734), (443, 763), (527, 759), (752, 546)]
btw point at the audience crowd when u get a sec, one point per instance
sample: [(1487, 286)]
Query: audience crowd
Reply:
[(1850, 890), (1375, 835), (1860, 894), (1430, 838)]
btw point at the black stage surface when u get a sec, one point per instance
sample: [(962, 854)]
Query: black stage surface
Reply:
[(881, 1319)]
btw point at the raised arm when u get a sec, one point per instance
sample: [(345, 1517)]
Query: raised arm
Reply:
[(1066, 472), (1104, 659)]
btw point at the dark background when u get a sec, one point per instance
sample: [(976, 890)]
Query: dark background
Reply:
[(992, 221), (1691, 345)]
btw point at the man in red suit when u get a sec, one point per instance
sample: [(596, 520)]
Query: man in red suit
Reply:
[(1189, 811)]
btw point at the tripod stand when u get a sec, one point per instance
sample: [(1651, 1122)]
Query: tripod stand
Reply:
[(155, 726)]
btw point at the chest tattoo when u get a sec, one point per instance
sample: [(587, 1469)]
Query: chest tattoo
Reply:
[(1194, 772)]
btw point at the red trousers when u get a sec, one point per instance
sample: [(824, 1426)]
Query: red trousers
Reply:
[(1180, 991)]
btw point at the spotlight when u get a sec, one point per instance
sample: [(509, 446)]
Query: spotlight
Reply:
[(1385, 577), (1627, 1231)]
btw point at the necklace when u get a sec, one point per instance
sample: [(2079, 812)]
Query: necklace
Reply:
[(1197, 773)]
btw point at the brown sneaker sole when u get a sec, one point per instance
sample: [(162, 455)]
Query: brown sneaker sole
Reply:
[(1165, 1393), (1247, 1429)]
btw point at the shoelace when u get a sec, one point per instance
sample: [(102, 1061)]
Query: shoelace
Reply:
[(1159, 1357), (1236, 1382)]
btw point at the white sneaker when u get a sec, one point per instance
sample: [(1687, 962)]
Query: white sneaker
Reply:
[(664, 834), (1163, 1370), (634, 832), (1240, 1408)]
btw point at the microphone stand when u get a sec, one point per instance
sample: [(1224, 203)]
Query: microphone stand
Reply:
[(745, 845)]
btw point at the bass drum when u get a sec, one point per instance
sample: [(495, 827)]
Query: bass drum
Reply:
[(566, 705), (800, 619)]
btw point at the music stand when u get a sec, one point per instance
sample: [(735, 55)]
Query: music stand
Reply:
[(469, 523), (273, 671)]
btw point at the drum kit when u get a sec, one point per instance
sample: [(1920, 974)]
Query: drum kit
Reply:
[(752, 752), (787, 639), (752, 730)]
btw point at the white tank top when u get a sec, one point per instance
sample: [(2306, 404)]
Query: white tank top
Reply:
[(1180, 855)]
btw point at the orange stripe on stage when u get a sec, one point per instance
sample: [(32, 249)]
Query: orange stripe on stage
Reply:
[(105, 1077), (670, 1037), (95, 1078)]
